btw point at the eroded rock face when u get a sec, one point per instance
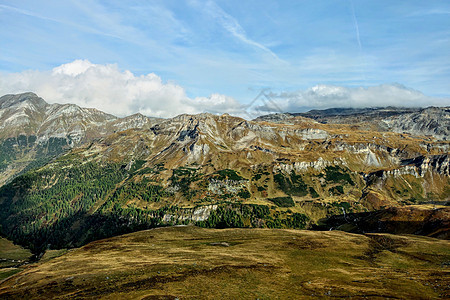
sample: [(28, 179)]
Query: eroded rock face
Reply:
[(220, 187), (431, 121), (303, 166), (436, 163), (197, 214), (423, 179), (314, 134), (417, 167)]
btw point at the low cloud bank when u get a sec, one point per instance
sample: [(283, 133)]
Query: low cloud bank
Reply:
[(122, 93), (327, 96), (109, 89)]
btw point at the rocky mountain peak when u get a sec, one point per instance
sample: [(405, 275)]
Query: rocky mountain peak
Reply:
[(8, 101)]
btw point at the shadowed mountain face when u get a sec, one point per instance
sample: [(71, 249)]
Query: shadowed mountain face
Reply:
[(421, 220), (85, 175)]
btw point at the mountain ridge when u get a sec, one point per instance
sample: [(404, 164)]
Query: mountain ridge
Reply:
[(48, 130), (430, 121), (208, 170)]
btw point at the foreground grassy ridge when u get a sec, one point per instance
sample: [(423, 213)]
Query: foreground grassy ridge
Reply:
[(195, 263)]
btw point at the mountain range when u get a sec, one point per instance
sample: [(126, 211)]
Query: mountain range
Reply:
[(70, 175)]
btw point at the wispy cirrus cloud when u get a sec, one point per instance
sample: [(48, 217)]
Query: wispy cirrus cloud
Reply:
[(429, 12), (56, 20), (231, 25)]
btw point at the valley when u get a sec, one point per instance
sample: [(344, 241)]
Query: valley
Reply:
[(222, 200)]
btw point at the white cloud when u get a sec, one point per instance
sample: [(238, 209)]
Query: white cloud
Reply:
[(327, 96), (109, 89), (73, 69), (122, 93)]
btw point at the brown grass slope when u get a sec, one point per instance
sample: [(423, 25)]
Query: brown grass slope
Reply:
[(194, 263)]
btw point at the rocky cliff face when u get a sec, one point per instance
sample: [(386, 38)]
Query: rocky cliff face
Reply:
[(432, 121)]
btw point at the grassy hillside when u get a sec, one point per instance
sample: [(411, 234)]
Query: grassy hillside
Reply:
[(71, 203), (12, 258), (195, 263)]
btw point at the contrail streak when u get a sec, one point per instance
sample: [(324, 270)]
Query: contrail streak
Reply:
[(355, 22)]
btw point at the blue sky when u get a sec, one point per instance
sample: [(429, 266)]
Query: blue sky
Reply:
[(237, 48)]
